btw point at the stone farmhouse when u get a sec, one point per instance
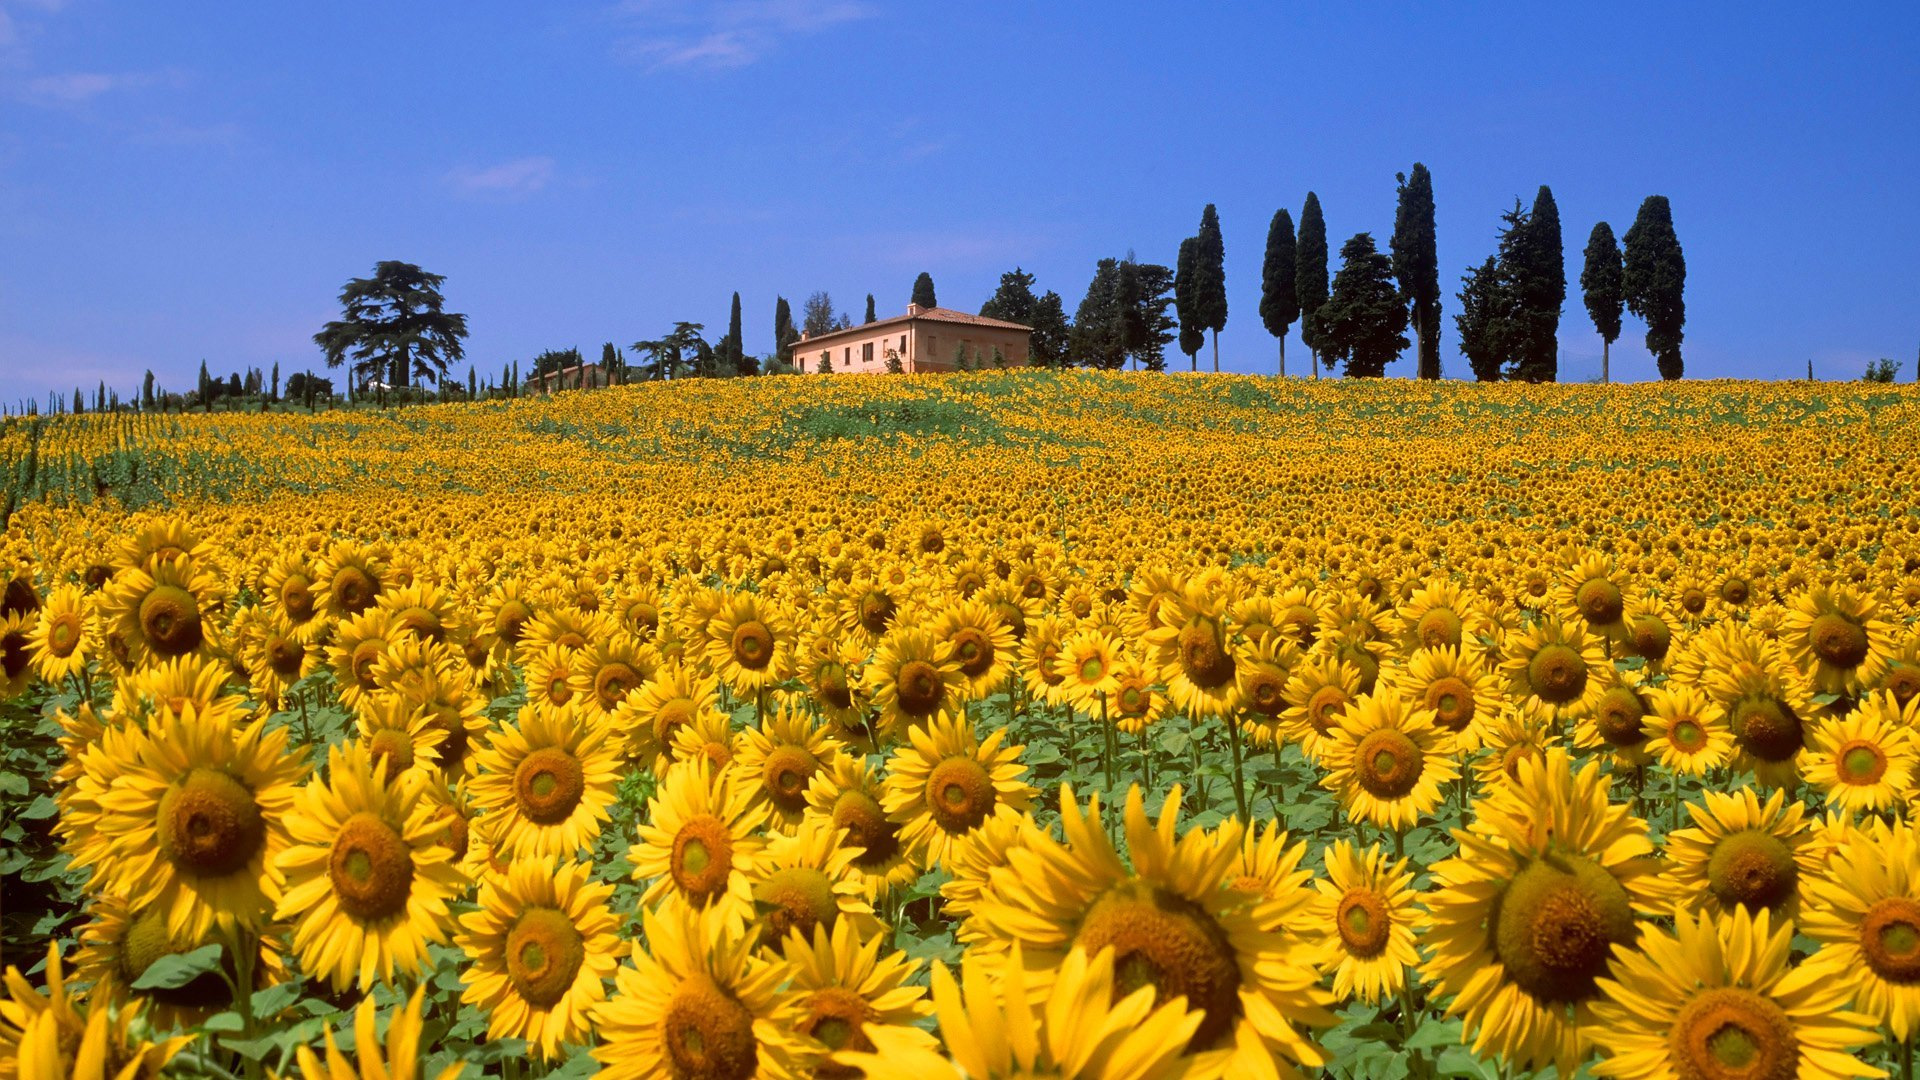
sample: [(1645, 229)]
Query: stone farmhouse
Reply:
[(924, 339)]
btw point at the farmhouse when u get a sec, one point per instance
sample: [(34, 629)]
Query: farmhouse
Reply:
[(924, 339)]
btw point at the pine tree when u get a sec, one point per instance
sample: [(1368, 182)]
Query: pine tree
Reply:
[(1364, 316), (923, 291), (1193, 337), (1480, 320), (1049, 343), (784, 335), (1310, 273), (870, 314), (1279, 295), (1654, 278), (1210, 277), (1013, 301), (1099, 337), (1145, 295), (1416, 265), (1600, 282)]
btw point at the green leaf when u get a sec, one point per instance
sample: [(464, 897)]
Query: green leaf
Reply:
[(42, 808), (1435, 1033), (1042, 754), (1459, 1061), (13, 783), (273, 999), (176, 971), (228, 1023)]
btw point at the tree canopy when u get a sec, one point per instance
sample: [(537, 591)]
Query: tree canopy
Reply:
[(923, 290), (395, 328), (1416, 265), (1654, 276), (1279, 295), (1363, 318), (1310, 269)]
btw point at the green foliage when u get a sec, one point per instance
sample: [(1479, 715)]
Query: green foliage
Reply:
[(394, 328), (1193, 337), (784, 333), (1279, 295), (1362, 321), (1310, 269), (923, 291), (1601, 282), (1883, 370), (1416, 264), (1655, 279), (1049, 344), (1099, 331)]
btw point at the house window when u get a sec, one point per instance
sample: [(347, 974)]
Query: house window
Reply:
[(903, 344), (866, 353)]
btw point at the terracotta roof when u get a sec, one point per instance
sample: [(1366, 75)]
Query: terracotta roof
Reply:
[(937, 314)]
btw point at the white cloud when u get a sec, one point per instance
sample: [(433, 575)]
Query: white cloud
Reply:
[(80, 87), (507, 179), (722, 34), (9, 28)]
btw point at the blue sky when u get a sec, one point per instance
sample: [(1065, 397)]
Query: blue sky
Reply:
[(187, 181)]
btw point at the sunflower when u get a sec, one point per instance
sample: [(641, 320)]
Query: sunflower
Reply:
[(1767, 709), (48, 1037), (830, 671), (64, 638), (1865, 913), (506, 614), (165, 612), (350, 578), (1039, 648), (673, 697), (1193, 648), (1135, 703), (400, 1059), (946, 781), (16, 653), (710, 737), (751, 643), (1319, 693), (700, 843), (604, 673), (1457, 686), (1648, 631), (118, 945), (400, 733), (802, 881), (1557, 664), (913, 678), (195, 818), (288, 589), (357, 645), (1717, 1000), (558, 625), (169, 538), (542, 944), (1550, 874), (275, 658), (1902, 677), (1588, 593), (1442, 615), (367, 881), (1091, 1024), (434, 677), (1387, 761), (1743, 853), (1617, 723), (1865, 760), (848, 794), (698, 1003), (553, 774), (1686, 730), (845, 985), (1172, 922), (982, 644), (1088, 666), (1838, 638), (973, 861), (1367, 900), (1263, 667), (780, 758)]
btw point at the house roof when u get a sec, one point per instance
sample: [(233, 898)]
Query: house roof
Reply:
[(936, 314)]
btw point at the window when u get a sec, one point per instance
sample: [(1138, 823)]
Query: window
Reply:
[(903, 344), (866, 353)]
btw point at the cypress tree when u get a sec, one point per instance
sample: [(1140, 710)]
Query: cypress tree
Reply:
[(1600, 283), (1416, 265), (1539, 279), (1310, 273), (1279, 295), (870, 315), (276, 380), (1192, 336), (146, 391), (1210, 277), (1654, 276), (923, 291), (1048, 346), (783, 331), (735, 360), (1363, 319)]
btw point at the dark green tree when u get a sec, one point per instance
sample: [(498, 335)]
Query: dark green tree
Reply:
[(1099, 333), (1049, 344), (1364, 317), (1210, 277), (870, 314), (1481, 320), (146, 391), (473, 384), (205, 388), (1310, 273), (817, 316), (1146, 294), (1279, 295), (1654, 276), (395, 326), (1013, 301), (1416, 265), (923, 291), (276, 380), (733, 358), (784, 334), (1193, 337), (1601, 283), (1537, 272)]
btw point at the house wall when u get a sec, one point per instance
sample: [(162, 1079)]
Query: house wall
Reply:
[(923, 345)]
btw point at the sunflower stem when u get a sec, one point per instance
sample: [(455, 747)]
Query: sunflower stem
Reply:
[(1239, 777), (1146, 758), (244, 953), (1111, 744), (1906, 1057)]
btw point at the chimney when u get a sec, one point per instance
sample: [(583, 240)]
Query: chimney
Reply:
[(914, 309)]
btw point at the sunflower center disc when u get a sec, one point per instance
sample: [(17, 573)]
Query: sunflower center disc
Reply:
[(834, 1016), (708, 1033), (511, 621), (354, 589), (63, 636), (752, 645), (393, 746), (1861, 763), (296, 596), (1600, 602), (14, 654), (1363, 922), (959, 794), (1092, 669), (1619, 718), (1687, 734), (1557, 674), (1301, 623), (1325, 706), (702, 857), (1903, 681), (420, 622), (1553, 925), (1838, 640), (920, 688), (1133, 700), (1752, 868), (1451, 700), (1170, 943), (544, 953), (209, 824), (1732, 1033), (796, 898), (1693, 600), (548, 785), (1735, 591), (285, 657), (1266, 694), (1651, 638), (973, 650), (785, 776), (371, 868), (1203, 656), (1387, 764), (867, 828), (1439, 628), (170, 619), (1890, 939), (876, 612), (611, 683), (1766, 729)]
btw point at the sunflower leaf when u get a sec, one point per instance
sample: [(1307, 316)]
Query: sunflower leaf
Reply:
[(176, 971)]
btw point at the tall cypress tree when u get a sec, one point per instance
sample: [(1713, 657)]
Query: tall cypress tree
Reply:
[(735, 360), (1192, 336), (923, 291), (1416, 265), (1539, 278), (1600, 283), (1310, 273), (1279, 295), (783, 331), (870, 315), (146, 391), (1210, 277), (1655, 280)]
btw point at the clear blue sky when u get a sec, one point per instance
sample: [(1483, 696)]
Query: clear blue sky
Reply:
[(180, 181)]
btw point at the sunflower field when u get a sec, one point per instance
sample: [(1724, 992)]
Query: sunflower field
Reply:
[(999, 725)]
